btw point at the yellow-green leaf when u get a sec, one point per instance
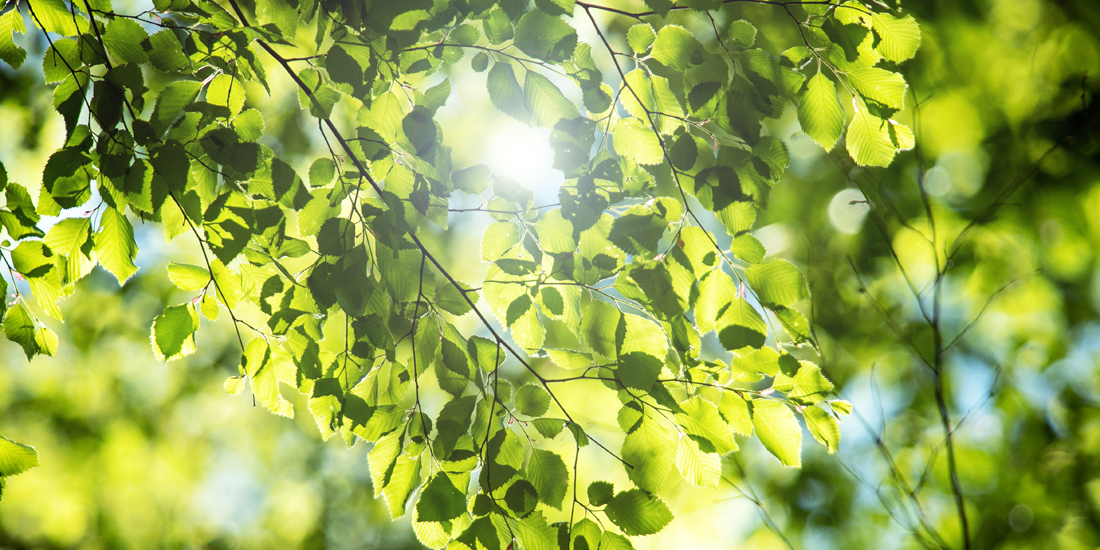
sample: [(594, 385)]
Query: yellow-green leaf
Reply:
[(820, 112)]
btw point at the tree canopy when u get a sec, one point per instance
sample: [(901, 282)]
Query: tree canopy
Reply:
[(533, 368)]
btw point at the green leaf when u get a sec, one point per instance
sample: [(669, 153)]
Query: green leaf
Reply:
[(820, 113), (16, 458), (550, 477), (880, 85), (847, 37), (173, 98), (635, 140), (226, 91), (545, 101), (868, 139), (674, 47), (19, 327), (556, 7), (228, 224), (778, 430), (650, 450), (54, 16), (640, 37), (600, 492), (61, 55), (188, 277), (166, 53), (472, 180), (899, 37), (257, 363), (173, 333), (555, 233), (777, 282), (10, 52), (521, 497), (742, 32), (735, 411), (699, 468), (638, 513), (46, 340), (532, 400), (123, 39), (824, 427), (505, 93), (546, 37), (480, 62), (638, 231), (440, 500), (404, 479), (700, 418), (498, 28), (234, 385), (249, 125), (115, 245), (809, 384), (740, 325), (451, 300), (638, 370)]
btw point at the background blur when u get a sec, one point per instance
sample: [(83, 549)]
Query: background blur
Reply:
[(136, 454)]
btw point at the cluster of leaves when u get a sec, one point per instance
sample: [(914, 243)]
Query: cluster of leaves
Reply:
[(156, 124)]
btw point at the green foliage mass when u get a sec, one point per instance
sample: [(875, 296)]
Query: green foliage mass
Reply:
[(156, 130), (616, 285), (641, 349)]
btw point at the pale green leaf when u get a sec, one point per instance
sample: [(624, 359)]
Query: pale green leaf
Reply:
[(777, 282), (600, 492), (115, 245), (404, 479), (173, 333), (735, 411), (824, 427), (880, 85), (12, 22), (505, 92), (638, 513), (700, 418), (545, 36), (555, 233), (545, 101), (868, 139), (778, 430), (226, 91), (547, 472), (532, 400), (699, 468), (674, 47), (640, 37), (635, 140), (19, 327), (650, 450), (440, 500), (820, 113), (188, 277), (16, 458), (234, 385), (742, 32), (899, 37), (123, 39)]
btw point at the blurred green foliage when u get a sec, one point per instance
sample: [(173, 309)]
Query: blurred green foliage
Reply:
[(139, 454)]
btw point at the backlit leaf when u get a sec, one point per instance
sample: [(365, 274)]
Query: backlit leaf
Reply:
[(820, 112)]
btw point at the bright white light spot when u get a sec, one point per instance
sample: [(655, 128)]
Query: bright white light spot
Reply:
[(522, 153), (847, 211), (776, 238), (937, 181)]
